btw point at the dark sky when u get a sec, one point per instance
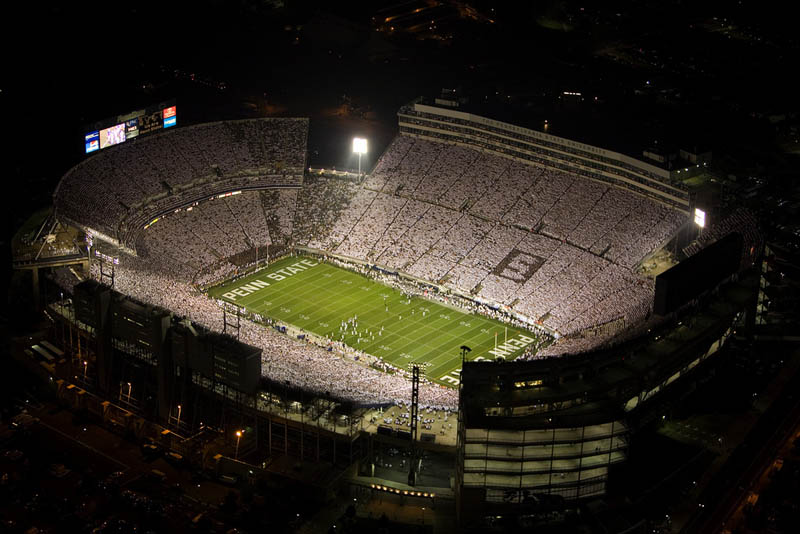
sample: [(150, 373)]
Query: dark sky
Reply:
[(75, 63)]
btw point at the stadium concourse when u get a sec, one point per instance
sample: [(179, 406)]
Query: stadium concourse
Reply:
[(195, 206)]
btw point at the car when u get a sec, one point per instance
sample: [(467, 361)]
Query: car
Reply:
[(112, 480), (174, 458), (230, 480), (59, 470), (150, 450), (24, 420), (13, 455)]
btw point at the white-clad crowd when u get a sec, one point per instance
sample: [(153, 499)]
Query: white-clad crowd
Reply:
[(560, 251), (552, 246), (160, 170), (284, 358)]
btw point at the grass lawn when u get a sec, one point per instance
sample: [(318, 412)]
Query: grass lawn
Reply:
[(317, 297)]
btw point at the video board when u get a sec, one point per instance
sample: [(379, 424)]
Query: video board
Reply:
[(112, 136), (697, 274), (121, 128)]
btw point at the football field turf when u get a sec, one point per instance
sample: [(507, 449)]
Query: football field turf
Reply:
[(316, 297)]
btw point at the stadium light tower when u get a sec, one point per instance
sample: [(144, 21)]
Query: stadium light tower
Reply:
[(359, 147), (464, 350)]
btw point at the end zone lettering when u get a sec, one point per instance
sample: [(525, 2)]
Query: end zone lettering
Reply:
[(278, 275), (454, 377), (511, 346)]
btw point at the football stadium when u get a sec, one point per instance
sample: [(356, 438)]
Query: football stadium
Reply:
[(553, 294)]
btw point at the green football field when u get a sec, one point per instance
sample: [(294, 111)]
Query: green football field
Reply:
[(316, 297)]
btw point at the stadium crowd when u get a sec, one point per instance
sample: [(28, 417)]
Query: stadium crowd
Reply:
[(284, 359), (539, 242), (516, 144), (587, 235), (105, 188)]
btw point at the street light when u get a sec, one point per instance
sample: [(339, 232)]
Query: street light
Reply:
[(238, 437), (359, 147), (179, 417), (85, 364), (129, 392)]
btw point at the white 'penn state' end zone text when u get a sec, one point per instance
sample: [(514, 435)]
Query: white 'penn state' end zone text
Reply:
[(501, 351), (256, 285)]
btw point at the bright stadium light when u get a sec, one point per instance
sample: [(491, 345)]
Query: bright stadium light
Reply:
[(359, 147), (699, 217)]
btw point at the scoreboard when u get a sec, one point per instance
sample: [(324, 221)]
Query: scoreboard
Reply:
[(121, 128)]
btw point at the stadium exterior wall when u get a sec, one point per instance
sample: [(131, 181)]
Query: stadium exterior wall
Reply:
[(538, 434)]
